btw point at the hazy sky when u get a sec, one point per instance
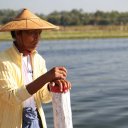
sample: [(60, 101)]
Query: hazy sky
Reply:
[(48, 6)]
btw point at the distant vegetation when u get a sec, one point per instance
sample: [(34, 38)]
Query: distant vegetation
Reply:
[(74, 17), (76, 24)]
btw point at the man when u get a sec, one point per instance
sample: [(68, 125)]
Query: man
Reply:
[(24, 81)]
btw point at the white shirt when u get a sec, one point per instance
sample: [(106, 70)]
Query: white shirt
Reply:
[(28, 77)]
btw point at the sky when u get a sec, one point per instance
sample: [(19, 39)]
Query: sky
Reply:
[(48, 6)]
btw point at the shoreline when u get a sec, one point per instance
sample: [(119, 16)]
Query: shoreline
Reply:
[(79, 32)]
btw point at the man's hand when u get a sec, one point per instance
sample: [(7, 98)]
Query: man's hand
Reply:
[(55, 74), (59, 86)]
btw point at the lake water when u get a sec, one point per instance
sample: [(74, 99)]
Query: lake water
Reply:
[(98, 71)]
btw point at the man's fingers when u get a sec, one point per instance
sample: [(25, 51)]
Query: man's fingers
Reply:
[(61, 86)]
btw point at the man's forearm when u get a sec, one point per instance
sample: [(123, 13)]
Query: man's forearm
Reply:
[(36, 85)]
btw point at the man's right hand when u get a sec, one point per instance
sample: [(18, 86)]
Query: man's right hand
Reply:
[(56, 73)]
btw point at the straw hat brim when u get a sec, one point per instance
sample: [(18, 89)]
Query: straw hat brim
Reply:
[(26, 20), (28, 24)]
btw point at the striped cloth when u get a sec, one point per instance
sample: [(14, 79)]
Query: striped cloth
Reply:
[(30, 118)]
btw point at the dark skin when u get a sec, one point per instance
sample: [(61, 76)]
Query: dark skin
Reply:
[(26, 41)]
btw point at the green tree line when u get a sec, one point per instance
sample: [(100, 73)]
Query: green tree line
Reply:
[(74, 17)]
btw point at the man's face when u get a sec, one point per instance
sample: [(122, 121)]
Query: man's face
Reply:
[(27, 40)]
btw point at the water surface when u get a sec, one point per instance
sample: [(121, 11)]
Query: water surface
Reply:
[(98, 71)]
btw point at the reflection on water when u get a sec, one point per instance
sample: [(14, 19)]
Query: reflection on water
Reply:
[(98, 71)]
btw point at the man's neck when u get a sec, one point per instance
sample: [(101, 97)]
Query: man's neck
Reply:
[(25, 52)]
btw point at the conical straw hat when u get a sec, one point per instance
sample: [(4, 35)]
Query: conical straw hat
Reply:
[(26, 20)]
